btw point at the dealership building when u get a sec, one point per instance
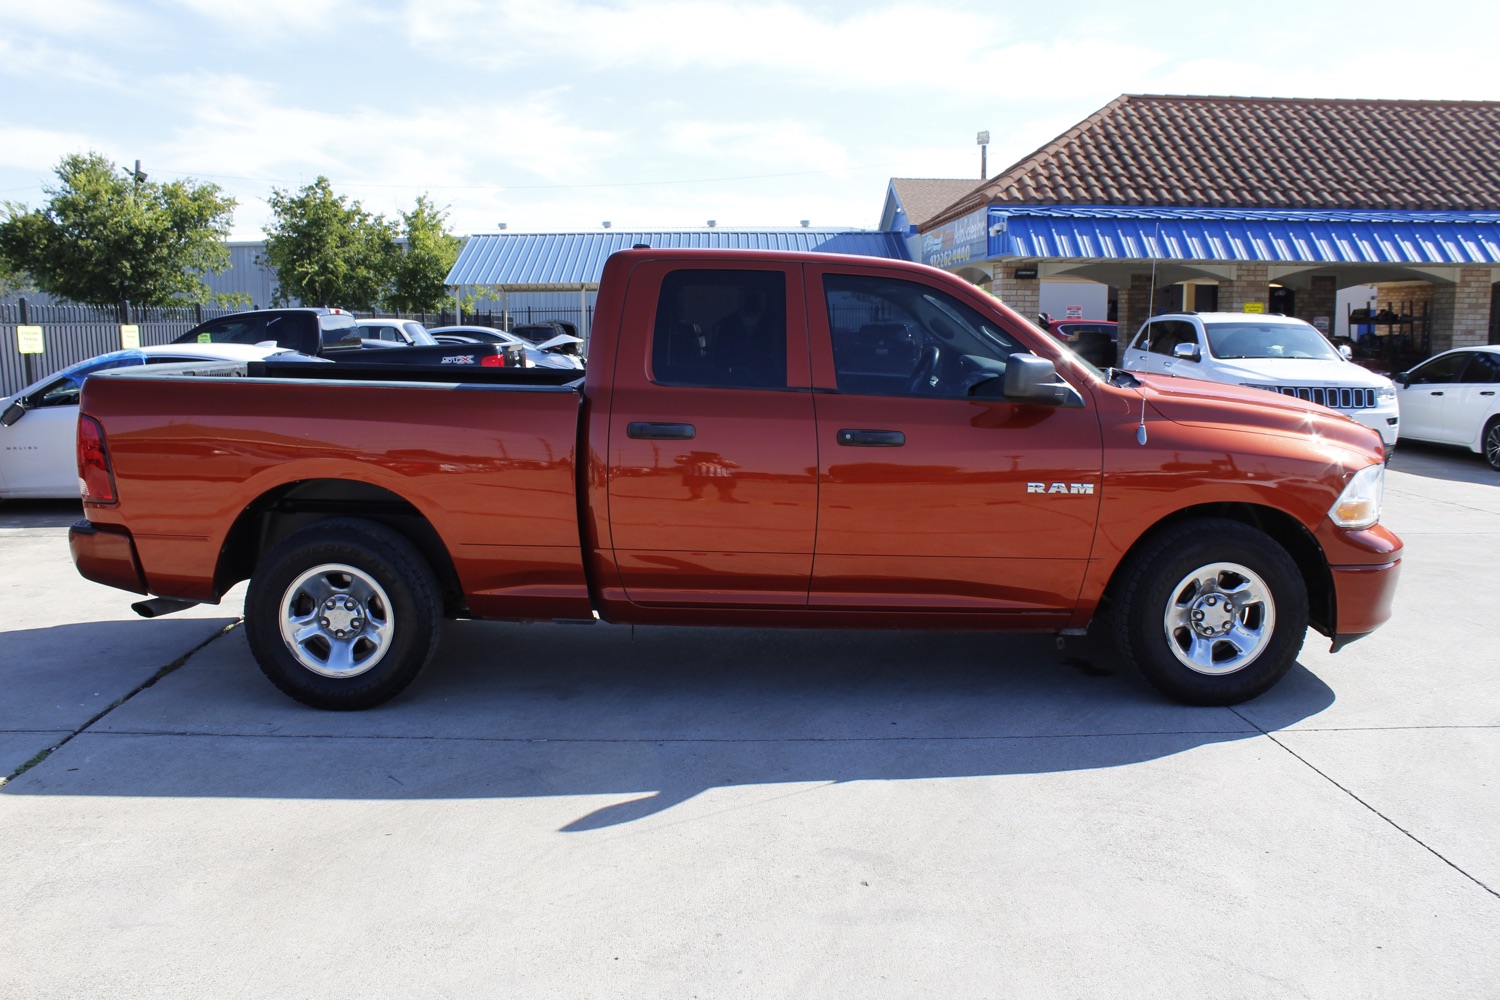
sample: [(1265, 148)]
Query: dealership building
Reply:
[(1375, 219)]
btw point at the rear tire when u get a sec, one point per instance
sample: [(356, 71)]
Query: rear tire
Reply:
[(343, 614), (1211, 612)]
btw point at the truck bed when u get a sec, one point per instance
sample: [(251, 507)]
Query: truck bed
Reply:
[(488, 462)]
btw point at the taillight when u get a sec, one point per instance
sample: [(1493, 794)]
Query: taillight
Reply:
[(493, 361), (96, 481)]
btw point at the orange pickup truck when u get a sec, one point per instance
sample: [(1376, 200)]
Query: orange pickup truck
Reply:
[(761, 439)]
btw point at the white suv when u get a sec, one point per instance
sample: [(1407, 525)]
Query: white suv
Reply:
[(1277, 353)]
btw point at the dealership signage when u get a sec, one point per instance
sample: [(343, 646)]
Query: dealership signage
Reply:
[(961, 241)]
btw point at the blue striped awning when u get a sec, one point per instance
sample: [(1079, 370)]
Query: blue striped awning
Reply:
[(569, 261), (1271, 235)]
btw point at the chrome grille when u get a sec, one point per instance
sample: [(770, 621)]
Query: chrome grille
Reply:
[(1327, 395)]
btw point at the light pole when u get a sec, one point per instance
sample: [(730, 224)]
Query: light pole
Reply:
[(984, 148)]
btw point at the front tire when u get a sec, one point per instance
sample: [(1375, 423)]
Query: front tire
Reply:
[(1211, 612), (343, 614), (1491, 443)]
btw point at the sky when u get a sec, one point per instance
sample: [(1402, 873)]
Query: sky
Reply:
[(560, 115)]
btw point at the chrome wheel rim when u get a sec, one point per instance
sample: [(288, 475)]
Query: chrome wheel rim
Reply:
[(1492, 445), (336, 620), (1219, 618)]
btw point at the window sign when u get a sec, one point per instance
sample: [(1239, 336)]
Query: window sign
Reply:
[(29, 340), (130, 335), (1255, 307)]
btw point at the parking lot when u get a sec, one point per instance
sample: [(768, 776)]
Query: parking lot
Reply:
[(599, 811)]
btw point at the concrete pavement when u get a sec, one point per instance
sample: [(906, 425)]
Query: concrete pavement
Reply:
[(596, 811)]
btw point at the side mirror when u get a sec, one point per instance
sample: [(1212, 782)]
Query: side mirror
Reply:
[(15, 411), (1186, 352), (1030, 379), (1347, 352)]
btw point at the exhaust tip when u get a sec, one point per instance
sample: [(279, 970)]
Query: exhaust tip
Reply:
[(158, 606)]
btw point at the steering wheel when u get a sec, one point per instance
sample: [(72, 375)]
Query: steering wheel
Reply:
[(924, 377)]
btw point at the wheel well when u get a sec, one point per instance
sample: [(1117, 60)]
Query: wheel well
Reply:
[(1283, 528), (288, 508)]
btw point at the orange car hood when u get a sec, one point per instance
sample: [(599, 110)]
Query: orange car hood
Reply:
[(1194, 402)]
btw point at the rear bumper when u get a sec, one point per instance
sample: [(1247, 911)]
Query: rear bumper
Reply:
[(106, 555)]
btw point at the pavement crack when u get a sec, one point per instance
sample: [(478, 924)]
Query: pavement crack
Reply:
[(164, 671), (1349, 792)]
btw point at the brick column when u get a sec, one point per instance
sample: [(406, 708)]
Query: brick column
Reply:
[(1471, 308), (1321, 299), (1024, 296), (1249, 284)]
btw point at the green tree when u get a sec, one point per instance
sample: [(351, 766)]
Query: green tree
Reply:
[(328, 251), (13, 281), (417, 283), (106, 237)]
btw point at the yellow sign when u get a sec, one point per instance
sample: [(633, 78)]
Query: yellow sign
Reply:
[(205, 338), (130, 335), (1255, 307), (29, 340)]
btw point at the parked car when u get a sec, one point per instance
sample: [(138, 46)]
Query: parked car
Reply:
[(536, 357), (553, 335), (395, 330), (38, 425), (1095, 340), (1277, 353), (1454, 398), (336, 335)]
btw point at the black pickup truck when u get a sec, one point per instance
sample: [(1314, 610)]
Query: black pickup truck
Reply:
[(334, 334)]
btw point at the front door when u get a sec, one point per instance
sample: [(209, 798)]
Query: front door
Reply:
[(933, 498)]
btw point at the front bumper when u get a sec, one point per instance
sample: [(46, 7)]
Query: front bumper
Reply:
[(106, 554), (1385, 421)]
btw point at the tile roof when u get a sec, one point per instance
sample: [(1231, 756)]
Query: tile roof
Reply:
[(924, 197), (1254, 152)]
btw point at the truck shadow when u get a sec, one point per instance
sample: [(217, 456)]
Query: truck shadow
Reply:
[(645, 719)]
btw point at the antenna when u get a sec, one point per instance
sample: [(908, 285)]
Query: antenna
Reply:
[(1140, 432)]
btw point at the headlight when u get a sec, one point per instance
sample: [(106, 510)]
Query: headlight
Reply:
[(1359, 505), (1386, 392)]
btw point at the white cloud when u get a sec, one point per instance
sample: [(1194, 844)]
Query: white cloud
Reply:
[(72, 19), (270, 18), (33, 59), (37, 149)]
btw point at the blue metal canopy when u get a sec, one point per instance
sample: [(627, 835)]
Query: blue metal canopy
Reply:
[(1270, 235), (569, 261)]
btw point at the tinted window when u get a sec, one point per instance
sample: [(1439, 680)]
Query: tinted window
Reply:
[(720, 328), (1440, 370), (1074, 329), (1484, 368), (63, 390), (1165, 334), (899, 338), (232, 330)]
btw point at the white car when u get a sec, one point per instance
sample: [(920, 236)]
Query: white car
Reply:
[(408, 332), (39, 424), (1454, 398), (1277, 353)]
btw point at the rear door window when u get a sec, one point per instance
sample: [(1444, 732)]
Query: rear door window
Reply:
[(721, 328)]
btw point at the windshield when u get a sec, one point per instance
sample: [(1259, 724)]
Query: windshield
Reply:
[(1269, 340)]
